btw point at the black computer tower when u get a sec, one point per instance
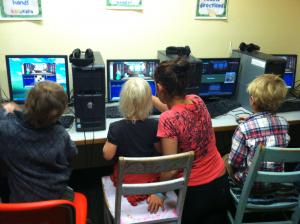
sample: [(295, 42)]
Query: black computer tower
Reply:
[(254, 64), (89, 95), (194, 73)]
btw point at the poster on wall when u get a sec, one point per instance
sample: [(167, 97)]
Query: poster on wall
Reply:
[(125, 4), (211, 9), (20, 10)]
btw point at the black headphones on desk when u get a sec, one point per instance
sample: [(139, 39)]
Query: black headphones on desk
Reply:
[(76, 59)]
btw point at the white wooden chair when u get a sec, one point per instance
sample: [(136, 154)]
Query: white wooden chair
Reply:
[(246, 204), (116, 205)]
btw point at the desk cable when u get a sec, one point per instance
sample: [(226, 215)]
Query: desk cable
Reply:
[(5, 98)]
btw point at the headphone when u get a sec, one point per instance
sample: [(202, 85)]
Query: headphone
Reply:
[(75, 57), (179, 50), (249, 47)]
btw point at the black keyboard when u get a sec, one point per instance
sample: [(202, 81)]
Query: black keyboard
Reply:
[(113, 112), (290, 105), (221, 106), (66, 121)]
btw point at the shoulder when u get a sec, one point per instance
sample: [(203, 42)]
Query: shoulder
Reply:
[(282, 120), (118, 125), (151, 121)]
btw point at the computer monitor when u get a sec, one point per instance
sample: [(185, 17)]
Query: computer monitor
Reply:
[(120, 70), (219, 77), (289, 75), (24, 71)]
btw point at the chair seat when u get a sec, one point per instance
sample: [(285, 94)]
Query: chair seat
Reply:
[(139, 213)]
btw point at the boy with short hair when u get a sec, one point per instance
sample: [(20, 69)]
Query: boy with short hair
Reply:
[(267, 92), (35, 149)]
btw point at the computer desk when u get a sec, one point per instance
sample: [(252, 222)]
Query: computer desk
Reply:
[(222, 123)]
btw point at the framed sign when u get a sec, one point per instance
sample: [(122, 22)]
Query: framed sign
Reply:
[(20, 10), (211, 9), (125, 4)]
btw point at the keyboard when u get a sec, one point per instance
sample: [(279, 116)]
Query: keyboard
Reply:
[(221, 106), (113, 111), (290, 105), (66, 120)]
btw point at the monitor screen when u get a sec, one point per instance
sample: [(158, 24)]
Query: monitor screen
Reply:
[(289, 75), (24, 71), (118, 71), (219, 77)]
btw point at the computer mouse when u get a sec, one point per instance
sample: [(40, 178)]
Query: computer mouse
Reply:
[(240, 119)]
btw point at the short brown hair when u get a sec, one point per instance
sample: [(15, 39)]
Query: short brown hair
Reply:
[(45, 103), (268, 92)]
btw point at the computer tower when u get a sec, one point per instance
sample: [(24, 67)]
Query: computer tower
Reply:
[(253, 64), (89, 95), (194, 73)]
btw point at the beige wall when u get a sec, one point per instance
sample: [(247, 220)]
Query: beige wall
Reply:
[(68, 24)]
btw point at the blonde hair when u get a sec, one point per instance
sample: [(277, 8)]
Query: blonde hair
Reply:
[(268, 92), (135, 99)]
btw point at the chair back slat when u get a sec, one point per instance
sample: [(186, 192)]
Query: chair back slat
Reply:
[(64, 214), (157, 164), (278, 177), (150, 188), (291, 155)]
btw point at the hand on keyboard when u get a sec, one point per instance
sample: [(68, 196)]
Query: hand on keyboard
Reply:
[(221, 106)]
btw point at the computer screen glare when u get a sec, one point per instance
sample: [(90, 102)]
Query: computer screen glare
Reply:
[(118, 71), (24, 71), (219, 77), (290, 68)]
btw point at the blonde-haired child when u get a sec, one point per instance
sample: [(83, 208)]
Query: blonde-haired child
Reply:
[(266, 92)]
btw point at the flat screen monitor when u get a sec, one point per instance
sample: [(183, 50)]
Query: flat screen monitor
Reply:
[(120, 70), (289, 75), (219, 77), (24, 71)]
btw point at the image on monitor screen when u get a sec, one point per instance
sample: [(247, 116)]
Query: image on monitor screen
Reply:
[(289, 75), (120, 70), (219, 77), (24, 71)]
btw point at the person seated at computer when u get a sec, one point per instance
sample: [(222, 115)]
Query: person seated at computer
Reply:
[(35, 148), (267, 92), (135, 135), (186, 125)]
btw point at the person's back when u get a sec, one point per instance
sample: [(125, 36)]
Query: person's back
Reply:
[(262, 128), (184, 126), (191, 125), (35, 149), (135, 135)]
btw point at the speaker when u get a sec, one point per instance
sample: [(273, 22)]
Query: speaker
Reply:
[(249, 47), (89, 95), (76, 57)]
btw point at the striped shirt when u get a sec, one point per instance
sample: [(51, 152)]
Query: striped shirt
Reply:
[(261, 128)]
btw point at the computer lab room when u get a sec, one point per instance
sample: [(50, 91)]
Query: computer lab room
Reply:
[(148, 111)]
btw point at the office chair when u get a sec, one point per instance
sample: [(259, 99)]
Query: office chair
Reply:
[(117, 208), (51, 212), (280, 203)]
